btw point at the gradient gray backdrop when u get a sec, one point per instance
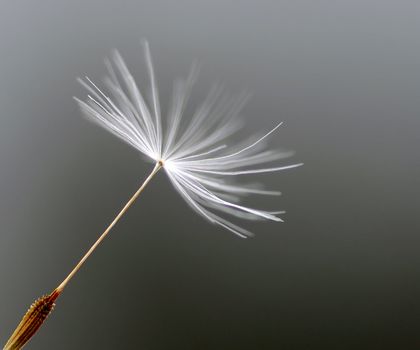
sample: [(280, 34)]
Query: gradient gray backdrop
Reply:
[(341, 273)]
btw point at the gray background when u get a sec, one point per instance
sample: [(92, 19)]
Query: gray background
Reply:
[(341, 273)]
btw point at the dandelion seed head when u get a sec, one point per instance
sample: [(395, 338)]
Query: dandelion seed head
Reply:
[(195, 149)]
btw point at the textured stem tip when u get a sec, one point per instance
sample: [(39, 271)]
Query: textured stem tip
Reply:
[(32, 321)]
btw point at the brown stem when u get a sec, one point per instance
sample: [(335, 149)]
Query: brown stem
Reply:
[(60, 288), (42, 307)]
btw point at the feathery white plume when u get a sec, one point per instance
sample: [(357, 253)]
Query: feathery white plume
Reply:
[(196, 155)]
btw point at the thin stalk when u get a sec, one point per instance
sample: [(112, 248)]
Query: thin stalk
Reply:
[(60, 288), (43, 306)]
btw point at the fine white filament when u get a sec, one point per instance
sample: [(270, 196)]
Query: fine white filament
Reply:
[(194, 150)]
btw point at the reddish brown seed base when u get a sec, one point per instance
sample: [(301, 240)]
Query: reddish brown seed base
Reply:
[(33, 319)]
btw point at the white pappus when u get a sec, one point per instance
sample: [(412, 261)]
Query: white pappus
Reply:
[(194, 151)]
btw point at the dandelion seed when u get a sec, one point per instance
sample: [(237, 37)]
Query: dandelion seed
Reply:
[(195, 152)]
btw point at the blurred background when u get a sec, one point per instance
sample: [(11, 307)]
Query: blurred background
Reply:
[(341, 273)]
